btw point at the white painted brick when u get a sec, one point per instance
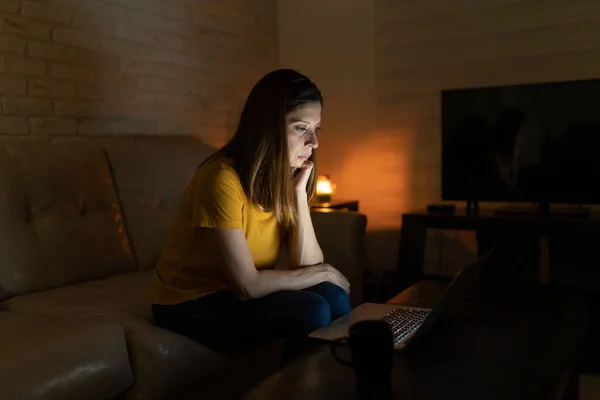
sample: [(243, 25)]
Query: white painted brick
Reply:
[(159, 70), (12, 44), (97, 91), (119, 27), (167, 41), (116, 77), (13, 85), (153, 84), (22, 26), (155, 112), (111, 14), (118, 46), (51, 52), (186, 60), (134, 51), (131, 32), (9, 6), (75, 38), (27, 106), (173, 128), (117, 111), (46, 12), (152, 54), (98, 127), (22, 66), (148, 21), (182, 87), (77, 4), (155, 7), (126, 66), (136, 127), (51, 88), (178, 100), (79, 109), (181, 28), (13, 125), (72, 73), (70, 55), (227, 18), (189, 113), (137, 97), (53, 126)]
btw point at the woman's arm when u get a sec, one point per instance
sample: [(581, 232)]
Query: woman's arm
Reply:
[(303, 247), (233, 254)]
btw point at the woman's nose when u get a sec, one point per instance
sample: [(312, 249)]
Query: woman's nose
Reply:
[(312, 140)]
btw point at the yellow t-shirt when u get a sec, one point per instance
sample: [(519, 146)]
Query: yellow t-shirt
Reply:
[(214, 198)]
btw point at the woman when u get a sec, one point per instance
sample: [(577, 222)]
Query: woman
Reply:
[(215, 281)]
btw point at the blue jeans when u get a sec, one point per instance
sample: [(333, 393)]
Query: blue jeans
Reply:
[(224, 322)]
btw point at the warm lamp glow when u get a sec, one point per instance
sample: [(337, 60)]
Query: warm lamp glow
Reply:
[(324, 189)]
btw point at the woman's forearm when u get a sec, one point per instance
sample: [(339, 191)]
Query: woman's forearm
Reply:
[(303, 246), (269, 281)]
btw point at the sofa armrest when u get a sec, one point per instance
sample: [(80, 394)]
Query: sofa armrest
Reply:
[(341, 235)]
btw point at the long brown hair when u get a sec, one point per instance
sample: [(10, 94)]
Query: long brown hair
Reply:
[(259, 145)]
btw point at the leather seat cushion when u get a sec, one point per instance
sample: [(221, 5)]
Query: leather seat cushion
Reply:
[(166, 364), (50, 357)]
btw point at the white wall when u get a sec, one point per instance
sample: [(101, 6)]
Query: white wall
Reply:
[(333, 43)]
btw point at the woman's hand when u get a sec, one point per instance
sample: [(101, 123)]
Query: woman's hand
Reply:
[(302, 175), (334, 276)]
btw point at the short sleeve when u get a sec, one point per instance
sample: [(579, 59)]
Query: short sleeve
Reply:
[(218, 198)]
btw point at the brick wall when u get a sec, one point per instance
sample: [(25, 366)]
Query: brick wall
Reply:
[(425, 46), (106, 67)]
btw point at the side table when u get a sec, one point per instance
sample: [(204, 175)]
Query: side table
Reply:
[(334, 204)]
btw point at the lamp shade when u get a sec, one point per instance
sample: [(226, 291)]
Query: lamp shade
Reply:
[(324, 188)]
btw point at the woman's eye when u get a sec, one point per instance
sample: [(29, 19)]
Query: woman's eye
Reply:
[(301, 129)]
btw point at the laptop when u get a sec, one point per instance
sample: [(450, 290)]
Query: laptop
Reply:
[(407, 322)]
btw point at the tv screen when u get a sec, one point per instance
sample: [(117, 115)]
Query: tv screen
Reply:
[(522, 143)]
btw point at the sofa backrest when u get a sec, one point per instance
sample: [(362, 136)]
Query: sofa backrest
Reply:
[(150, 175), (60, 218)]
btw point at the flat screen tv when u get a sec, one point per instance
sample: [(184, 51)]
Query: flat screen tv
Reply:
[(535, 143)]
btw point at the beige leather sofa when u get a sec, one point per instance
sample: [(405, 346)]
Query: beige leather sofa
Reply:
[(82, 223)]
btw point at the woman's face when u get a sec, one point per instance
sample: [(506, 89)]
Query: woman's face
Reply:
[(302, 125)]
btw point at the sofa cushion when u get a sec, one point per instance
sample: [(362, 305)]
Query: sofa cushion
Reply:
[(60, 219), (150, 176), (49, 357), (166, 364)]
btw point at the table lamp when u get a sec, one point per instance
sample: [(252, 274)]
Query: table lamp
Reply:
[(324, 189)]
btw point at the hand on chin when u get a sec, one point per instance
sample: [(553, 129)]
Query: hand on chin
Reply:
[(302, 174), (298, 163)]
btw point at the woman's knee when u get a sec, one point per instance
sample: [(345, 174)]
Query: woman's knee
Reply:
[(338, 299), (310, 310)]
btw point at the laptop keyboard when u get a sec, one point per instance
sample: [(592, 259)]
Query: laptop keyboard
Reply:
[(403, 321)]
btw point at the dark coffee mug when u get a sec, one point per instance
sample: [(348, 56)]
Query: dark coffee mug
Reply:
[(372, 347)]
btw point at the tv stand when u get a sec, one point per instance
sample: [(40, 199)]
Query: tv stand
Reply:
[(544, 210), (472, 206), (411, 255)]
